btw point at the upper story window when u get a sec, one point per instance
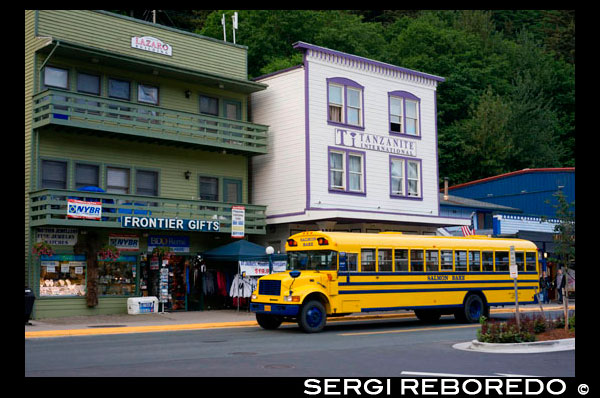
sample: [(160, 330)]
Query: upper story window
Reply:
[(119, 89), (87, 83), (148, 94), (345, 104), (346, 171), (405, 177), (86, 175), (209, 105), (146, 182), (117, 180), (54, 174), (404, 113), (56, 77)]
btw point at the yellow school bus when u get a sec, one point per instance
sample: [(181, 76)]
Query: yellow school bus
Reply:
[(339, 273)]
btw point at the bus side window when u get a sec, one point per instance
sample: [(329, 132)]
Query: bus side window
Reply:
[(367, 260), (460, 260), (384, 259), (488, 261), (530, 261), (474, 261), (520, 259), (501, 261), (416, 260), (352, 259), (401, 258), (446, 260), (431, 260)]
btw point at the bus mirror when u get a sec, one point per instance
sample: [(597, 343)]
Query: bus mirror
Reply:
[(294, 274)]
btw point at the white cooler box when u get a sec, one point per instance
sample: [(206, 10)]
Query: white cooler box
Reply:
[(142, 305)]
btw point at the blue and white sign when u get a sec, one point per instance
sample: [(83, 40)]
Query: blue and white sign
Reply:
[(82, 209), (178, 244), (170, 223)]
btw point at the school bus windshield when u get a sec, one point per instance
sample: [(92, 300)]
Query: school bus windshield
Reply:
[(312, 260)]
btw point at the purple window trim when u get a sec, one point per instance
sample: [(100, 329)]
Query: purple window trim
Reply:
[(306, 131), (344, 82), (404, 95), (405, 178), (346, 190)]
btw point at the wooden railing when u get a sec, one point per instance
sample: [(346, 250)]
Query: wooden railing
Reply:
[(55, 106), (49, 207)]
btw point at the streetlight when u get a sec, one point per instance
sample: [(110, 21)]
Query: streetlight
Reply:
[(269, 250)]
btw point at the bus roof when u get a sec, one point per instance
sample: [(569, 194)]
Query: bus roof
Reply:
[(396, 239)]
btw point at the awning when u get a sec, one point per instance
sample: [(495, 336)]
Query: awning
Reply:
[(241, 250)]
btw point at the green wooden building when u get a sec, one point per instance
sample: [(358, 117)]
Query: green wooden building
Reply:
[(157, 119)]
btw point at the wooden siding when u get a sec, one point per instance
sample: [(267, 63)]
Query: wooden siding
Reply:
[(171, 162), (113, 33), (279, 177)]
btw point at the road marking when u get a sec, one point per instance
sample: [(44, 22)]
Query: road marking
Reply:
[(411, 330)]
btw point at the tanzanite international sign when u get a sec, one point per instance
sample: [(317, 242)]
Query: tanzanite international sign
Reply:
[(176, 224), (373, 142)]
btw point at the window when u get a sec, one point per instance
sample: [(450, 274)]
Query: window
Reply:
[(431, 260), (396, 114), (312, 260), (62, 275), (520, 259), (412, 121), (367, 260), (487, 261), (116, 278), (460, 260), (117, 180), (413, 172), (54, 174), (404, 111), (501, 261), (346, 171), (446, 260), (354, 107), (87, 83), (232, 191), (474, 261), (209, 105), (401, 259), (148, 94), (384, 258), (209, 188), (397, 176), (119, 89), (56, 77), (146, 183), (352, 259), (530, 261), (416, 260), (86, 175), (344, 102)]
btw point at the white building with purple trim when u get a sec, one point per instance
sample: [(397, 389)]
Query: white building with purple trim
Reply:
[(352, 147)]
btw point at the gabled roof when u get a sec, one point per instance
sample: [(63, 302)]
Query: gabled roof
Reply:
[(466, 202), (514, 173)]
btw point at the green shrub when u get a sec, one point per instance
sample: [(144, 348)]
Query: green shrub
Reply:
[(506, 331)]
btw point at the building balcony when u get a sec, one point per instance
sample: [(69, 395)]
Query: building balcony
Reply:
[(128, 119), (49, 207)]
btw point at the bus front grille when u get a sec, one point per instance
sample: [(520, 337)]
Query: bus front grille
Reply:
[(271, 288)]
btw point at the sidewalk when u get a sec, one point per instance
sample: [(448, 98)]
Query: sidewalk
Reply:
[(194, 320)]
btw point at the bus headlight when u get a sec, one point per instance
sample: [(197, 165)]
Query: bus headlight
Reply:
[(291, 299), (254, 296)]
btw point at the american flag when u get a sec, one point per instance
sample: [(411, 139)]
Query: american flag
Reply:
[(466, 230)]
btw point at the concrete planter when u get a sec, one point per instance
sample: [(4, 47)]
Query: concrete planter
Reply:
[(518, 348)]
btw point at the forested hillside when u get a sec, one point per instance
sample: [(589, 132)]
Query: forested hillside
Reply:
[(508, 101)]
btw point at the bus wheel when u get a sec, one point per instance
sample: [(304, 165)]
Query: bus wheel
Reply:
[(312, 317), (428, 315), (268, 322), (472, 310)]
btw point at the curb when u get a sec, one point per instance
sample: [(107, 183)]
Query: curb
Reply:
[(518, 348)]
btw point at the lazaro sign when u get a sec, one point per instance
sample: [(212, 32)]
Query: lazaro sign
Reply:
[(395, 145), (152, 44)]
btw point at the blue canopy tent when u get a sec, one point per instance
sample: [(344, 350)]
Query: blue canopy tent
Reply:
[(241, 250)]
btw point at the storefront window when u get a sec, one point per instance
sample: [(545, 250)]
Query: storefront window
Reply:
[(62, 275), (117, 278)]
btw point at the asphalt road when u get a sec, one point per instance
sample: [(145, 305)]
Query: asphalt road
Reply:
[(383, 348)]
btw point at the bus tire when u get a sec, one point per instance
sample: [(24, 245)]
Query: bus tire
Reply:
[(269, 322), (472, 310), (312, 317), (428, 315)]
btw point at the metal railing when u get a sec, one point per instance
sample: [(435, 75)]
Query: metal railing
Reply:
[(49, 207), (55, 106)]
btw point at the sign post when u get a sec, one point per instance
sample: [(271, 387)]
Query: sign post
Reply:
[(514, 273)]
